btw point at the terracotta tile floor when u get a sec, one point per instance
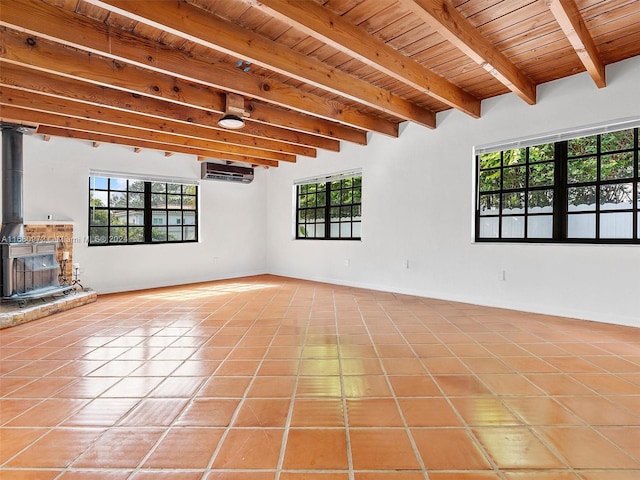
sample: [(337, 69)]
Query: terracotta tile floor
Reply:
[(267, 378)]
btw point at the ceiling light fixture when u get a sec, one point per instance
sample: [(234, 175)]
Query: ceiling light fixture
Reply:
[(234, 122), (234, 112)]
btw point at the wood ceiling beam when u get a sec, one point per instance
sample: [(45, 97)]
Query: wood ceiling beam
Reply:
[(98, 138), (306, 109), (456, 29), (211, 31), (36, 81), (572, 24), (113, 115), (40, 104), (322, 24)]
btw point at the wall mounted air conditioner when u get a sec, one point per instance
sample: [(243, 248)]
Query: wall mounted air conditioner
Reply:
[(226, 173)]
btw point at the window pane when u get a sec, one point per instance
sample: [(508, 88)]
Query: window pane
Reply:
[(582, 170), (99, 217), (174, 201), (540, 153), (335, 230), (118, 217), (347, 196), (189, 218), (136, 186), (356, 229), (98, 235), (356, 212), (319, 230), (514, 157), (136, 200), (336, 197), (98, 198), (540, 226), (118, 235), (616, 165), (489, 204), (159, 218), (311, 230), (98, 182), (540, 201), (311, 200), (335, 213), (174, 188), (321, 198), (512, 227), (489, 180), (514, 177), (159, 234), (175, 218), (615, 197), (345, 213), (620, 140), (118, 199), (189, 233), (158, 200), (136, 217), (616, 225), (136, 234), (357, 195), (345, 230), (188, 202), (541, 174), (490, 160), (582, 198), (319, 214), (118, 184), (583, 146), (581, 226), (159, 187), (513, 203), (175, 234), (489, 227)]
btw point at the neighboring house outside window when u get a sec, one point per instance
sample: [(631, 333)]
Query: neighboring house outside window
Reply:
[(579, 190), (329, 208), (132, 211)]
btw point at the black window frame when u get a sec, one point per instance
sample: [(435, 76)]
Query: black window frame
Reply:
[(565, 184), (330, 203), (146, 199)]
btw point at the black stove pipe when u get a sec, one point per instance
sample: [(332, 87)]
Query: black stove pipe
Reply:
[(12, 200)]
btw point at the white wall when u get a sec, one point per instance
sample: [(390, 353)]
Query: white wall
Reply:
[(232, 216), (407, 183)]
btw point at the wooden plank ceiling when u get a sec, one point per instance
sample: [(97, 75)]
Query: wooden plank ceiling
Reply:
[(157, 74)]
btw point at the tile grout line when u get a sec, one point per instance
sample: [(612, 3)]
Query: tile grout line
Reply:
[(287, 426)]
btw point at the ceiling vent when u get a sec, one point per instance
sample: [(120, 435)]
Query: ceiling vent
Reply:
[(226, 173)]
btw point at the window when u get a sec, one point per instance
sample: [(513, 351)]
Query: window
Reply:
[(133, 211), (584, 190), (329, 208)]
